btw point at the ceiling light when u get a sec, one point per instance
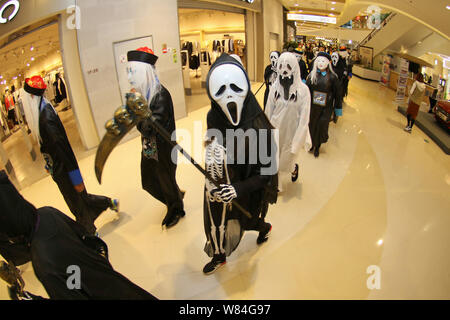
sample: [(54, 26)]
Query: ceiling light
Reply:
[(32, 48), (32, 58), (448, 7), (332, 8), (28, 64), (333, 2)]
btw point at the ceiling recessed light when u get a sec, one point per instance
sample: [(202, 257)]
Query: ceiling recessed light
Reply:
[(333, 2), (28, 64), (32, 48), (332, 8), (32, 59), (448, 7)]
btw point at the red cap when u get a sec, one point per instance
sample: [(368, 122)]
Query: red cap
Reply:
[(35, 85)]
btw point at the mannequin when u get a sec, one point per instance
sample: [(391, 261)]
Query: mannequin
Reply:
[(158, 171), (53, 242), (233, 108), (270, 74), (288, 110), (10, 108), (61, 161), (324, 86)]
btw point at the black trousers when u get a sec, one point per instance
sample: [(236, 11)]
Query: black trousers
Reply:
[(319, 124), (84, 206)]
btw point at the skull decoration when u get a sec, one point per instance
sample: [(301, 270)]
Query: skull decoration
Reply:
[(113, 128), (137, 105), (228, 86), (122, 116), (335, 58), (274, 55)]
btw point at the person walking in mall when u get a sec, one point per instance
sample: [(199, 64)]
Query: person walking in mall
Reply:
[(239, 175), (325, 90), (158, 169), (70, 263), (415, 99), (288, 109), (61, 162), (435, 96)]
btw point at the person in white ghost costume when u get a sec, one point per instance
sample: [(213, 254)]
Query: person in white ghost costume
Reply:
[(288, 109)]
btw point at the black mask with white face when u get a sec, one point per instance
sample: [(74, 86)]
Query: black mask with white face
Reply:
[(228, 87)]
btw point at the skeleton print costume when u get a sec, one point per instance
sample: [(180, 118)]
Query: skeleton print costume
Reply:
[(270, 74), (288, 110), (234, 107)]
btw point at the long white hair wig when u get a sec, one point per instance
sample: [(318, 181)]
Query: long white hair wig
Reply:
[(313, 74)]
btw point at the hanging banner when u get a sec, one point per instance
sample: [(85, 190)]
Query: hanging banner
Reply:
[(402, 80), (386, 70)]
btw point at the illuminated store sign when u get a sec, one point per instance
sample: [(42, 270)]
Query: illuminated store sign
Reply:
[(311, 18), (6, 5)]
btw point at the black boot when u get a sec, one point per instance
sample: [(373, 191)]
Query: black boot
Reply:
[(264, 234), (316, 152), (217, 261), (172, 218)]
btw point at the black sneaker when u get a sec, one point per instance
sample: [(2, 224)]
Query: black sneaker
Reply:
[(294, 176), (316, 152), (219, 260), (265, 234)]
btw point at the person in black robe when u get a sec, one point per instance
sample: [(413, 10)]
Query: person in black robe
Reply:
[(54, 244), (341, 70), (158, 168), (302, 64), (60, 89), (325, 90), (61, 162), (253, 183), (270, 74)]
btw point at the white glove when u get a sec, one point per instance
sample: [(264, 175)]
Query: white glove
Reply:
[(225, 194)]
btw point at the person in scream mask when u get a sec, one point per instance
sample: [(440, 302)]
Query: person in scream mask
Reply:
[(239, 135), (288, 110), (325, 91), (158, 169), (55, 244), (61, 162), (270, 74)]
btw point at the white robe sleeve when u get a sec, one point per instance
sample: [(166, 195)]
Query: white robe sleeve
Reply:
[(413, 88), (302, 137)]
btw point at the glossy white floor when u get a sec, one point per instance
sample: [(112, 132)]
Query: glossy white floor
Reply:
[(376, 196)]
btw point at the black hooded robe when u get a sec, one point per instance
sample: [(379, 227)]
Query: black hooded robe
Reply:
[(341, 69), (54, 242), (255, 191), (63, 166), (321, 110), (158, 171)]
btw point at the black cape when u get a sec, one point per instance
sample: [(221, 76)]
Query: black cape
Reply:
[(54, 242), (267, 77), (303, 69), (158, 172), (255, 191), (61, 161), (320, 115)]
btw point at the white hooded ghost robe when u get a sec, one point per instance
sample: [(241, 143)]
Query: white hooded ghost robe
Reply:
[(290, 117)]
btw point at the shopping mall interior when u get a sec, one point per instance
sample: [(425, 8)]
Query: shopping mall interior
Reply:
[(374, 203)]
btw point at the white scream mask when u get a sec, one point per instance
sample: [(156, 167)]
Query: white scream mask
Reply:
[(274, 59), (228, 86), (322, 63), (335, 58)]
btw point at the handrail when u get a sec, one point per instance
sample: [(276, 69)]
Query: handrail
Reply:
[(376, 30)]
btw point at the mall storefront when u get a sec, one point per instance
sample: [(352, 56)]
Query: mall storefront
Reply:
[(95, 36)]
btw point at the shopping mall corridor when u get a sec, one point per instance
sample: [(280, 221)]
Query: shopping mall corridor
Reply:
[(376, 196)]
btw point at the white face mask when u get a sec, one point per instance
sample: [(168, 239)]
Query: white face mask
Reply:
[(322, 63), (343, 54), (228, 86), (274, 59), (335, 58), (138, 77)]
